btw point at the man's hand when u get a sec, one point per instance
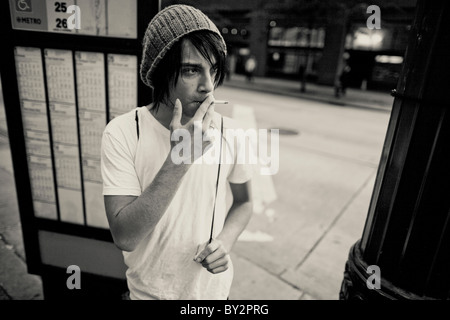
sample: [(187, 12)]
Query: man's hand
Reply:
[(199, 124), (214, 257)]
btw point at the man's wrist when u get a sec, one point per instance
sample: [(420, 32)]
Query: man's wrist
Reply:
[(181, 168), (226, 242)]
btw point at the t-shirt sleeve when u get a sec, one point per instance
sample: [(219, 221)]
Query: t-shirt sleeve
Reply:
[(117, 166)]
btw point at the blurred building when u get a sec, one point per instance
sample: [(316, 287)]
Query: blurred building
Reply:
[(315, 38)]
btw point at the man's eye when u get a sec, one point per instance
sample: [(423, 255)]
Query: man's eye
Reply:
[(189, 71)]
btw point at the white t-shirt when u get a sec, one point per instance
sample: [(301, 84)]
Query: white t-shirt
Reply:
[(162, 266)]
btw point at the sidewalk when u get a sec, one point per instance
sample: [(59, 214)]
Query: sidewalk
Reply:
[(15, 282), (354, 97)]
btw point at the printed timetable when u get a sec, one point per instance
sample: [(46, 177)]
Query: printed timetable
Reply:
[(90, 74), (63, 116), (122, 83), (30, 79), (65, 98)]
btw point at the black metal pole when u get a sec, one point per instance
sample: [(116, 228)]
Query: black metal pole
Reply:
[(407, 231)]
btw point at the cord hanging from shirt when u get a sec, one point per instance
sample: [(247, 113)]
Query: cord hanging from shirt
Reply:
[(137, 123), (218, 177)]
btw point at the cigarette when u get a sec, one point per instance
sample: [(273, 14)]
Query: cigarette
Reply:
[(220, 102)]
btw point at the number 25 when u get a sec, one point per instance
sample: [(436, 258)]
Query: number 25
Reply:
[(60, 7)]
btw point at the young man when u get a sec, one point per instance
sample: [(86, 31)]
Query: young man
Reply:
[(175, 217)]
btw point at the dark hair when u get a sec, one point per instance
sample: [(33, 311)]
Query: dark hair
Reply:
[(168, 70)]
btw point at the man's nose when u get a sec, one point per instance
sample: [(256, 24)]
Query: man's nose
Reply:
[(206, 83)]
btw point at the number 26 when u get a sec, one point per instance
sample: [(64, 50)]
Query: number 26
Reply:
[(61, 23)]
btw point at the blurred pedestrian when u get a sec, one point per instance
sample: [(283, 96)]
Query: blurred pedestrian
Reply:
[(171, 219), (230, 66), (343, 82), (250, 67)]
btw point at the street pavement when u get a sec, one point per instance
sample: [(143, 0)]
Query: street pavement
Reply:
[(297, 242), (281, 255), (375, 100), (15, 282)]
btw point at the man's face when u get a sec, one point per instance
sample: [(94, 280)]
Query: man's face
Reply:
[(196, 80)]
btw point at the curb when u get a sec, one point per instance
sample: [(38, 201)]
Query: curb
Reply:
[(333, 101)]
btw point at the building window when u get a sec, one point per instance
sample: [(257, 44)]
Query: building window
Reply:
[(296, 37)]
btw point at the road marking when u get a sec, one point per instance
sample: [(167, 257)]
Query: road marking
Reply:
[(263, 189), (257, 236)]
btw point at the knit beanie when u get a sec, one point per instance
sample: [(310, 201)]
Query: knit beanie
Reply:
[(166, 28)]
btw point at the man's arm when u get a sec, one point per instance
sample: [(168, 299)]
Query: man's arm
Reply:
[(238, 216), (132, 218), (215, 256)]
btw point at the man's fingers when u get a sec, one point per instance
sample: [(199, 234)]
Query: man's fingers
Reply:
[(205, 252), (201, 111), (218, 265), (218, 270), (212, 261), (210, 248), (214, 257), (177, 113), (207, 120)]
